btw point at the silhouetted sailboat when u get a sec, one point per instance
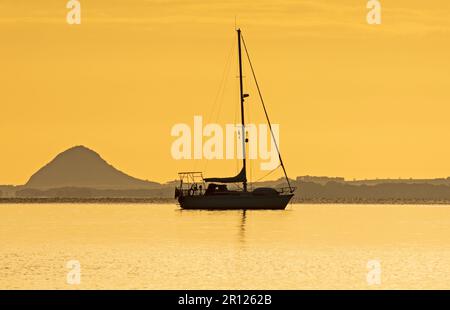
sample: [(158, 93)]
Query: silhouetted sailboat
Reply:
[(191, 193)]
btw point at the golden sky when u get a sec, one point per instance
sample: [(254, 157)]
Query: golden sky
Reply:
[(352, 99)]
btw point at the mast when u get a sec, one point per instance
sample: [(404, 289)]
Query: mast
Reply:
[(242, 98)]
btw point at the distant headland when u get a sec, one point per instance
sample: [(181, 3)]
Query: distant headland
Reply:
[(81, 174)]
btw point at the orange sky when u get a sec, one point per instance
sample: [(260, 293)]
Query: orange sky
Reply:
[(351, 99)]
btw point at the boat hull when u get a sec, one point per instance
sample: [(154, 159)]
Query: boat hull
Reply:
[(237, 202)]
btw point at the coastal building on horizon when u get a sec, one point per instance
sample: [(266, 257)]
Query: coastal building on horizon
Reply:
[(320, 179)]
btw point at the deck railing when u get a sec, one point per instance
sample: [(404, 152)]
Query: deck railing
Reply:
[(286, 190)]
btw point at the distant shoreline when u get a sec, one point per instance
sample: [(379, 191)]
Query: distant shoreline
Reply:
[(348, 201), (51, 200), (18, 200)]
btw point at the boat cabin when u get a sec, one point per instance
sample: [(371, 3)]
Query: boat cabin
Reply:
[(216, 189)]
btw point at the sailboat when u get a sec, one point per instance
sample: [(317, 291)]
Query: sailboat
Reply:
[(196, 192)]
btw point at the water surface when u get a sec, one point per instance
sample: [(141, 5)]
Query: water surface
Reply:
[(151, 246)]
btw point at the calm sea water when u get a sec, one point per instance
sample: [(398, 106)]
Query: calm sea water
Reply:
[(150, 246)]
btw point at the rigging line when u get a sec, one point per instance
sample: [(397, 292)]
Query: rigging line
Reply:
[(265, 112), (225, 82), (222, 82), (219, 96), (266, 175)]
